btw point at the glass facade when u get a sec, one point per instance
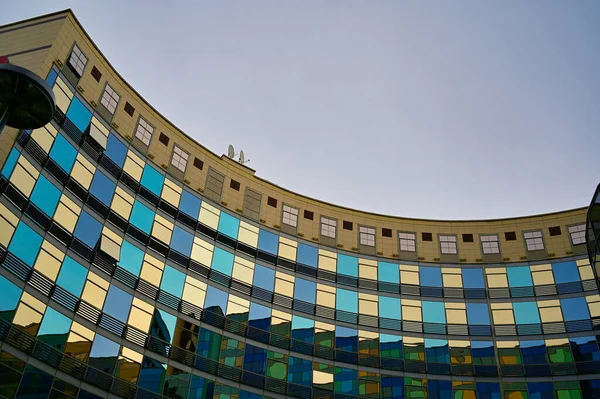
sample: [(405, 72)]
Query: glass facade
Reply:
[(117, 277)]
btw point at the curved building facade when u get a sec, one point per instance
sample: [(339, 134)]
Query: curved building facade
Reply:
[(137, 263)]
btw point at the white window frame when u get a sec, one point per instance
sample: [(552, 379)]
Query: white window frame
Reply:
[(408, 241), (490, 244), (144, 131), (110, 99), (289, 215), (179, 158), (448, 244), (366, 236), (328, 227), (577, 234), (77, 60), (534, 240)]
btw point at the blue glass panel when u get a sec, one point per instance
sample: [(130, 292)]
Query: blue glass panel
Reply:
[(389, 307), (346, 300), (307, 255), (9, 297), (533, 351), (72, 276), (51, 78), (181, 241), (103, 188), (116, 150), (305, 290), (104, 347), (436, 350), (472, 278), (478, 314), (575, 309), (172, 281), (301, 323), (152, 179), (488, 390), (519, 276), (388, 272), (433, 312), (131, 258), (63, 153), (541, 390), (11, 161), (88, 229), (264, 278), (392, 387), (79, 114), (117, 303), (430, 276), (25, 243), (45, 196), (300, 371), (216, 300), (267, 242), (526, 312), (255, 361), (141, 217), (189, 204), (347, 265), (229, 225), (565, 272), (259, 312), (222, 261), (54, 322)]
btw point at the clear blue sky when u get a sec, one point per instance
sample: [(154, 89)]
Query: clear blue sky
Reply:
[(434, 109)]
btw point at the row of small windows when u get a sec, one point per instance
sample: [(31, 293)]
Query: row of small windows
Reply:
[(407, 240)]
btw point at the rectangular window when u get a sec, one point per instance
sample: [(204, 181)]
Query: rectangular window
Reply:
[(96, 74), (366, 236), (129, 108), (144, 131), (448, 245), (407, 242), (489, 244), (534, 241), (308, 215), (577, 234), (110, 99), (180, 158), (328, 227), (77, 61), (290, 215), (272, 202), (198, 163)]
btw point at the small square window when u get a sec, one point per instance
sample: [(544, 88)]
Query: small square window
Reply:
[(310, 215), (577, 234), (77, 61), (510, 236), (129, 108), (554, 231), (234, 185), (407, 242), (144, 131), (489, 244), (272, 202), (290, 215), (163, 138), (534, 240), (198, 163), (386, 232), (467, 237), (110, 99), (448, 245), (366, 236), (426, 236), (96, 74), (346, 225), (328, 227), (180, 158)]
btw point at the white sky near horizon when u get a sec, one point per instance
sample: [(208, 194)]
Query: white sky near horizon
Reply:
[(427, 109)]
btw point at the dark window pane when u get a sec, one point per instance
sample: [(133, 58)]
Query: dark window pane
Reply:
[(467, 237), (309, 215), (272, 202), (129, 109), (96, 74), (163, 138), (426, 237), (554, 231), (510, 236), (386, 232), (234, 185), (347, 225)]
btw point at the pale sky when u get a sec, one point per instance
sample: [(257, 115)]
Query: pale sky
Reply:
[(430, 109)]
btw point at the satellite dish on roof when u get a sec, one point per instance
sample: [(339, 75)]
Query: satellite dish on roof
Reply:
[(243, 159), (230, 151)]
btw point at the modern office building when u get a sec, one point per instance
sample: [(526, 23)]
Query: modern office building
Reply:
[(137, 263)]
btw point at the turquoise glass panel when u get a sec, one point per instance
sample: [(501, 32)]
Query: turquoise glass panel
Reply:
[(388, 272), (116, 150), (45, 196), (268, 242), (222, 261), (152, 179), (72, 276), (390, 308), (25, 244), (9, 298), (54, 323), (141, 217), (79, 114), (10, 163), (347, 265), (164, 325), (88, 229), (430, 276), (433, 312), (526, 312), (436, 350), (131, 258), (172, 281), (229, 225), (63, 153), (189, 204), (299, 323), (181, 241), (565, 272), (346, 300), (519, 276), (118, 303), (307, 255)]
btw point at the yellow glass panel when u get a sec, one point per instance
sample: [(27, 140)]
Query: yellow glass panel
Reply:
[(327, 260), (287, 248), (27, 318), (67, 213), (456, 316), (6, 231), (325, 296), (321, 326), (110, 247), (151, 274), (11, 218), (202, 251), (209, 215), (368, 307), (507, 344), (586, 272), (139, 319), (503, 316), (83, 331), (44, 136), (122, 203), (63, 95), (414, 341), (171, 192), (594, 305), (194, 291), (550, 315), (557, 342), (162, 229), (33, 302), (367, 268), (543, 277), (457, 343), (93, 294), (582, 262), (82, 174), (452, 280), (237, 305), (497, 281), (411, 313), (134, 165), (243, 270), (284, 284), (248, 234), (281, 315), (47, 262), (99, 281), (409, 277), (23, 180), (131, 354), (321, 377)]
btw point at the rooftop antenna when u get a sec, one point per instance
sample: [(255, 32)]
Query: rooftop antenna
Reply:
[(230, 151), (242, 159)]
